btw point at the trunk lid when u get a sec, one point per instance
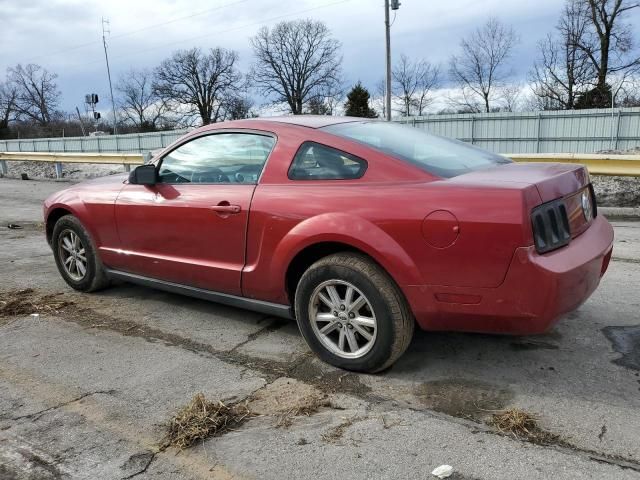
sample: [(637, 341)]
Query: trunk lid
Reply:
[(567, 203), (552, 180)]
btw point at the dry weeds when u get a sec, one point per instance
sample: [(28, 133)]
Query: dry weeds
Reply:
[(201, 419), (522, 426), (23, 302)]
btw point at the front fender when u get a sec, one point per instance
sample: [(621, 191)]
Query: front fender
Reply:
[(93, 207), (69, 201)]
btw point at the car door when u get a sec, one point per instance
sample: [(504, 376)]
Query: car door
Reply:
[(190, 227)]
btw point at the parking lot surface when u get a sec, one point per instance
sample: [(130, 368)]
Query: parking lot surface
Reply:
[(89, 382)]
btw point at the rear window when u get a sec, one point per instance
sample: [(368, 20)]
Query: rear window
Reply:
[(320, 162), (440, 156)]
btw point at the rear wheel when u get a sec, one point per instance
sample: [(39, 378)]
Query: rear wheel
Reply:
[(76, 256), (352, 314)]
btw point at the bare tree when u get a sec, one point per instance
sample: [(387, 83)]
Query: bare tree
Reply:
[(629, 95), (198, 83), (8, 97), (327, 98), (238, 106), (294, 60), (609, 46), (139, 103), (37, 94), (413, 82), (510, 97), (563, 70), (317, 106), (380, 95), (481, 66)]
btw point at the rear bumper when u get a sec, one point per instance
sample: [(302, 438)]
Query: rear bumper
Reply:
[(536, 292)]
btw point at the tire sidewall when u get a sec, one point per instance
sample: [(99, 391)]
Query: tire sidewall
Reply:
[(382, 348), (71, 223)]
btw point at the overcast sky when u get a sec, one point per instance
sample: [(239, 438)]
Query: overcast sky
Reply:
[(64, 36)]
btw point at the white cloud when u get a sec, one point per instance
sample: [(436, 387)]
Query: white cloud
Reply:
[(65, 35)]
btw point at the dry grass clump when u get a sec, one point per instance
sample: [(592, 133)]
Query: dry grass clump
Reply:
[(201, 419), (522, 426), (22, 302)]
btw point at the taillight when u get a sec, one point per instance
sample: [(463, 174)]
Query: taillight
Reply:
[(550, 225), (594, 204)]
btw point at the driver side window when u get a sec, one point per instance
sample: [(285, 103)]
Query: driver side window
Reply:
[(217, 158)]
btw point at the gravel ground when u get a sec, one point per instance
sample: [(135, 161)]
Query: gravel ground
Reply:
[(616, 191), (73, 171)]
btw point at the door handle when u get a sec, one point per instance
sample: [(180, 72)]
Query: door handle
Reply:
[(226, 208)]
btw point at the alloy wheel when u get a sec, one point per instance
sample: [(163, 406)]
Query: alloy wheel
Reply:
[(343, 319), (72, 255)]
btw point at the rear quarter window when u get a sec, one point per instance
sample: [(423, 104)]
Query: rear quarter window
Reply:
[(314, 161), (437, 155)]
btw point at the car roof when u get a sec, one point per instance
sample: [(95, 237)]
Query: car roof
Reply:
[(311, 121)]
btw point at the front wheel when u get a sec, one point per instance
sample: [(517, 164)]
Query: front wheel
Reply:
[(352, 314), (76, 256)]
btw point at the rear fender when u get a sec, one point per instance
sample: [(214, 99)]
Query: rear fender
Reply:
[(350, 230)]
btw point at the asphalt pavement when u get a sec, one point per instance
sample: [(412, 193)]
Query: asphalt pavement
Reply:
[(89, 382)]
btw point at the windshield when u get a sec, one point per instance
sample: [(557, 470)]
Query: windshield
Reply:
[(440, 156)]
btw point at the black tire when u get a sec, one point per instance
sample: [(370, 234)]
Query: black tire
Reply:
[(394, 319), (95, 276)]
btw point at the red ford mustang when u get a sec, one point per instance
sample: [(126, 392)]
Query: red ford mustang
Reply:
[(358, 229)]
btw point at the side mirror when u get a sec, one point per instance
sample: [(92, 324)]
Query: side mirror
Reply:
[(143, 175)]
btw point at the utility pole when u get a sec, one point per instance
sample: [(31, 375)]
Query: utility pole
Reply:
[(81, 122), (106, 57), (395, 5), (387, 83)]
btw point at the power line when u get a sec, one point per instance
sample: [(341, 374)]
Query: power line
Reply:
[(168, 22), (106, 57), (278, 17), (133, 32)]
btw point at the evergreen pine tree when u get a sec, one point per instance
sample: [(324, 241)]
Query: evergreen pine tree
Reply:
[(357, 104)]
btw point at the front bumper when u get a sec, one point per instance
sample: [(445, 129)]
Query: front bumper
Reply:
[(536, 292)]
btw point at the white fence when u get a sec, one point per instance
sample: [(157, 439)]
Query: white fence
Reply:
[(567, 131), (577, 131), (129, 143)]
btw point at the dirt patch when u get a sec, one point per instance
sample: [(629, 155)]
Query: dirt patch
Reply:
[(522, 425), (69, 170), (201, 419), (287, 398), (138, 464), (25, 226), (463, 398), (520, 345), (626, 341), (337, 432), (612, 191), (25, 302), (311, 371)]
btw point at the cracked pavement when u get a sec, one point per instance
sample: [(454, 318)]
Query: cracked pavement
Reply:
[(85, 392)]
